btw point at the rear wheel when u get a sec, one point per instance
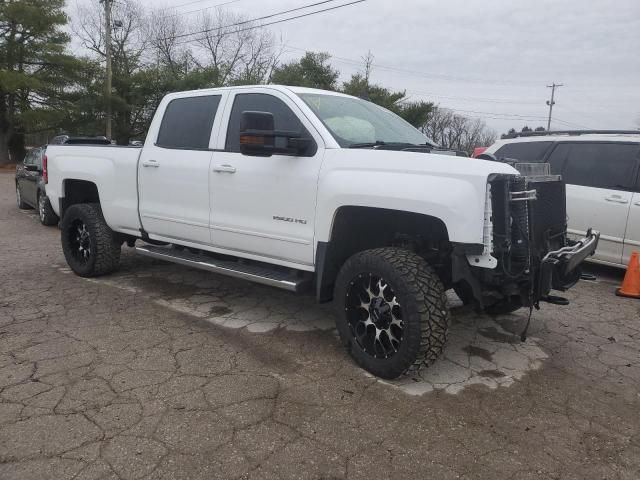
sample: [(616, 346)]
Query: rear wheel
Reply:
[(19, 200), (89, 245), (46, 213), (393, 311)]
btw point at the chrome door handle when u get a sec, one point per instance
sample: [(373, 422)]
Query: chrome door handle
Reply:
[(637, 204), (616, 200), (150, 163), (224, 169)]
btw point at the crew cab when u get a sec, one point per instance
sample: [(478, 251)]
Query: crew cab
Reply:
[(306, 189)]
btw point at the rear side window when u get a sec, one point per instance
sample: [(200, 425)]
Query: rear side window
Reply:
[(283, 117), (37, 157), (524, 151), (600, 165), (28, 159), (187, 122)]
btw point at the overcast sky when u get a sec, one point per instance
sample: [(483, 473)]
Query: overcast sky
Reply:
[(488, 59)]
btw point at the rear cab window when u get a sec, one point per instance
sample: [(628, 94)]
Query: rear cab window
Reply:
[(524, 151), (607, 165), (187, 122)]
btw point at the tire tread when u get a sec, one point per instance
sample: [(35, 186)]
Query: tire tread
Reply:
[(107, 249), (430, 305)]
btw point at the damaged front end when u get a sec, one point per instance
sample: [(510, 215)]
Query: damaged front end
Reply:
[(526, 250)]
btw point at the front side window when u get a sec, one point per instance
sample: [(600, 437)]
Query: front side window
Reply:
[(600, 165), (524, 151), (283, 117), (187, 122), (352, 121)]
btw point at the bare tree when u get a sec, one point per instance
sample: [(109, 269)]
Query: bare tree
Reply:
[(128, 47), (457, 132), (128, 39), (164, 33), (237, 50)]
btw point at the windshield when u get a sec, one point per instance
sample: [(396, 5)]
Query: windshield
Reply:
[(355, 122)]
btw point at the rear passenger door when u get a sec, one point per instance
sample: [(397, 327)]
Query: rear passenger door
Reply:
[(600, 178), (173, 170)]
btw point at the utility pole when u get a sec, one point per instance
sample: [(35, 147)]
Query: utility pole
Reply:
[(109, 74), (551, 102)]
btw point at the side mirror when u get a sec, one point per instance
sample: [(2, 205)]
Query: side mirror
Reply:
[(259, 138), (30, 167)]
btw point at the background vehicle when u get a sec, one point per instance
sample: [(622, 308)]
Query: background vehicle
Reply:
[(294, 187), (600, 169), (79, 140), (478, 151), (30, 185)]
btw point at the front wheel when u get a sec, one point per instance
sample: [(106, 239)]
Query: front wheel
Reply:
[(393, 311), (47, 215), (89, 245)]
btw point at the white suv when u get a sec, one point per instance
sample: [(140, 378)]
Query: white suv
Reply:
[(601, 170)]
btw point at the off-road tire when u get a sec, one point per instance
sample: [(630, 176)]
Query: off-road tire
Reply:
[(424, 309), (105, 249), (21, 204), (45, 212)]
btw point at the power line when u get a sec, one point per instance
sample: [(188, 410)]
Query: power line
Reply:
[(507, 116), (217, 5), (423, 74), (571, 124), (265, 17), (475, 99), (184, 4)]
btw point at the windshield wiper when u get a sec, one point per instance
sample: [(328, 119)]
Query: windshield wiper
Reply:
[(379, 143)]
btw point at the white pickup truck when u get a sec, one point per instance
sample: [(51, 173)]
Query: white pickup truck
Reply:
[(299, 188)]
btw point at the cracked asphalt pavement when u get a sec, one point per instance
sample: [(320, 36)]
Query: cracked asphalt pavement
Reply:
[(162, 372)]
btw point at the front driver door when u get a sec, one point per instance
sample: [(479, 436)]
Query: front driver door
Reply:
[(265, 206), (173, 171)]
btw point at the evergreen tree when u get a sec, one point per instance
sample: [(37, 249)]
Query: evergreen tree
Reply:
[(35, 71), (312, 70)]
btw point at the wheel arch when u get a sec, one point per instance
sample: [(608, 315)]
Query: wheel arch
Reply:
[(357, 228), (76, 191)]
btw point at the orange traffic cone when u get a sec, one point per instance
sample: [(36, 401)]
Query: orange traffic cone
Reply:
[(631, 283)]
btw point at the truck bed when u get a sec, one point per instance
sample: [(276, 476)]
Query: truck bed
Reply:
[(113, 169)]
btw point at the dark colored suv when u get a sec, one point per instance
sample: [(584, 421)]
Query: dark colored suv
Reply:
[(31, 177)]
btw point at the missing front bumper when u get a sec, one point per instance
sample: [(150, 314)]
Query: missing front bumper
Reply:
[(559, 268)]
